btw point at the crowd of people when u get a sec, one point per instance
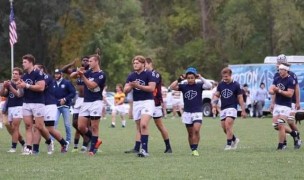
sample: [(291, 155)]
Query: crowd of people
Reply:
[(36, 98)]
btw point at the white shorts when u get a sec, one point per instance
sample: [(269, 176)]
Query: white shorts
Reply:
[(293, 107), (14, 113), (77, 106), (158, 112), (189, 118), (143, 107), (33, 109), (120, 109), (91, 108), (176, 102), (50, 112), (281, 110), (229, 112)]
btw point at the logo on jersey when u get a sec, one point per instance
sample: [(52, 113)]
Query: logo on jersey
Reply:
[(29, 81), (62, 86), (226, 93), (11, 95), (141, 82), (91, 79), (281, 86), (100, 77), (190, 94)]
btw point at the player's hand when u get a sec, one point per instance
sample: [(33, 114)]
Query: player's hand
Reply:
[(276, 89), (134, 84), (80, 71), (244, 114), (297, 106), (199, 76), (21, 84), (213, 110), (6, 84), (62, 101), (271, 107)]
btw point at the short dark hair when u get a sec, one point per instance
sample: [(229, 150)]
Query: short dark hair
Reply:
[(226, 70), (148, 60), (245, 85), (29, 58), (18, 69)]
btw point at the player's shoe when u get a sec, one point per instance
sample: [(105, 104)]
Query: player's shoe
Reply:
[(50, 148), (131, 151), (195, 153), (112, 126), (168, 150), (27, 152), (65, 148), (83, 149), (235, 143), (228, 147), (97, 145), (75, 150), (297, 144), (12, 150), (143, 153), (123, 126)]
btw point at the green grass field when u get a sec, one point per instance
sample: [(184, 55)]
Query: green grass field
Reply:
[(256, 157)]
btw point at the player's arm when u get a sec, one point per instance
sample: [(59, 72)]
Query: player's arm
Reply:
[(242, 104), (150, 88), (207, 85), (121, 101), (67, 68), (127, 88), (297, 94), (288, 93), (4, 90), (39, 86), (174, 84)]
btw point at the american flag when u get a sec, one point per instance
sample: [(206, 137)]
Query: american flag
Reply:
[(12, 28)]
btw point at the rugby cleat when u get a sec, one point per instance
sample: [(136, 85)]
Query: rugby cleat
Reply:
[(143, 153), (195, 153), (50, 148), (27, 152), (12, 150), (235, 143), (228, 147), (297, 144), (168, 150)]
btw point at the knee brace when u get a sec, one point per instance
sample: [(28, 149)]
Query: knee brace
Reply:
[(276, 124)]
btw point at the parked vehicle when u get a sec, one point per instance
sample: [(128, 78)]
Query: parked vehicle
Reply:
[(254, 74)]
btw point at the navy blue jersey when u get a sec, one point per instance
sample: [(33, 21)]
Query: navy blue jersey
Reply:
[(158, 98), (294, 76), (192, 95), (13, 100), (143, 78), (64, 89), (284, 84), (229, 94), (32, 78), (49, 90), (91, 95)]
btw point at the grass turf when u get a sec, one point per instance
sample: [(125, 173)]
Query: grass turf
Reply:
[(256, 157)]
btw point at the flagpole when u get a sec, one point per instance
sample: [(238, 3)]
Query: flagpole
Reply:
[(12, 46)]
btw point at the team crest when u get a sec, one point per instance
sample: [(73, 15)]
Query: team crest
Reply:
[(226, 93), (190, 94), (62, 86), (29, 81), (281, 86)]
